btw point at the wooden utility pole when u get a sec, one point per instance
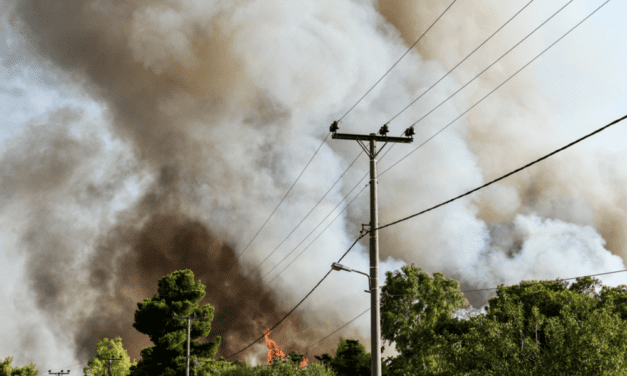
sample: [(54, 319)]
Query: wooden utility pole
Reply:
[(189, 326), (111, 360), (371, 151)]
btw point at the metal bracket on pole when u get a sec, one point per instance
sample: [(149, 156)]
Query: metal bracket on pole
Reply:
[(380, 150), (363, 147), (365, 228)]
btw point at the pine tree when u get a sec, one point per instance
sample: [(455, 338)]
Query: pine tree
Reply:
[(177, 294)]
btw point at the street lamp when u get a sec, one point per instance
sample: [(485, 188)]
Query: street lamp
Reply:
[(375, 351), (338, 267)]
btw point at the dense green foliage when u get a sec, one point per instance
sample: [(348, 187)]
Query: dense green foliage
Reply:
[(533, 328), (539, 328), (7, 370), (413, 306), (207, 367), (295, 357), (107, 348), (280, 369), (351, 359), (177, 294)]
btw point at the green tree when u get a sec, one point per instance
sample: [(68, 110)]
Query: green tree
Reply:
[(413, 305), (107, 348), (533, 328), (295, 357), (541, 328), (7, 370), (324, 359), (206, 367), (351, 359), (177, 294)]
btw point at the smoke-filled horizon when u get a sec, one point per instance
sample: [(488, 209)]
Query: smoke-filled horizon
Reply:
[(210, 111)]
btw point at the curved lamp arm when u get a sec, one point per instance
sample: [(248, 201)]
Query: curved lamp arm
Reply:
[(337, 266)]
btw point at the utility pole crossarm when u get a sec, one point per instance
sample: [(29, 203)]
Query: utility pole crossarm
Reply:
[(59, 373), (364, 137), (111, 360)]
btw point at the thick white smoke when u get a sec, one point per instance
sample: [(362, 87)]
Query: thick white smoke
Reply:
[(220, 105)]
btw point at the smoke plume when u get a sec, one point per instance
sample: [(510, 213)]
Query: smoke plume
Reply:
[(211, 110)]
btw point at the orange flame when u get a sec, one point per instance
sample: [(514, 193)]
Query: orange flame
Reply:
[(304, 363), (274, 353)]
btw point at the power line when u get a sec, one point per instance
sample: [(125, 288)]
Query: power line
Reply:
[(491, 92), (506, 175), (491, 65), (467, 193), (338, 329), (594, 275), (306, 216), (309, 162), (74, 366), (511, 173), (424, 115), (468, 83), (484, 42), (324, 219), (455, 67), (321, 222), (340, 119), (315, 238), (312, 231), (299, 303), (284, 317), (458, 64), (442, 204), (397, 61), (285, 196)]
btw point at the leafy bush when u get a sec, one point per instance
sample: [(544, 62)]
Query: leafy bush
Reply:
[(7, 370), (279, 369)]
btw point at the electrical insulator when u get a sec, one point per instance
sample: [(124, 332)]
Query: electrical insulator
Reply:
[(384, 130), (409, 132), (334, 127)]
